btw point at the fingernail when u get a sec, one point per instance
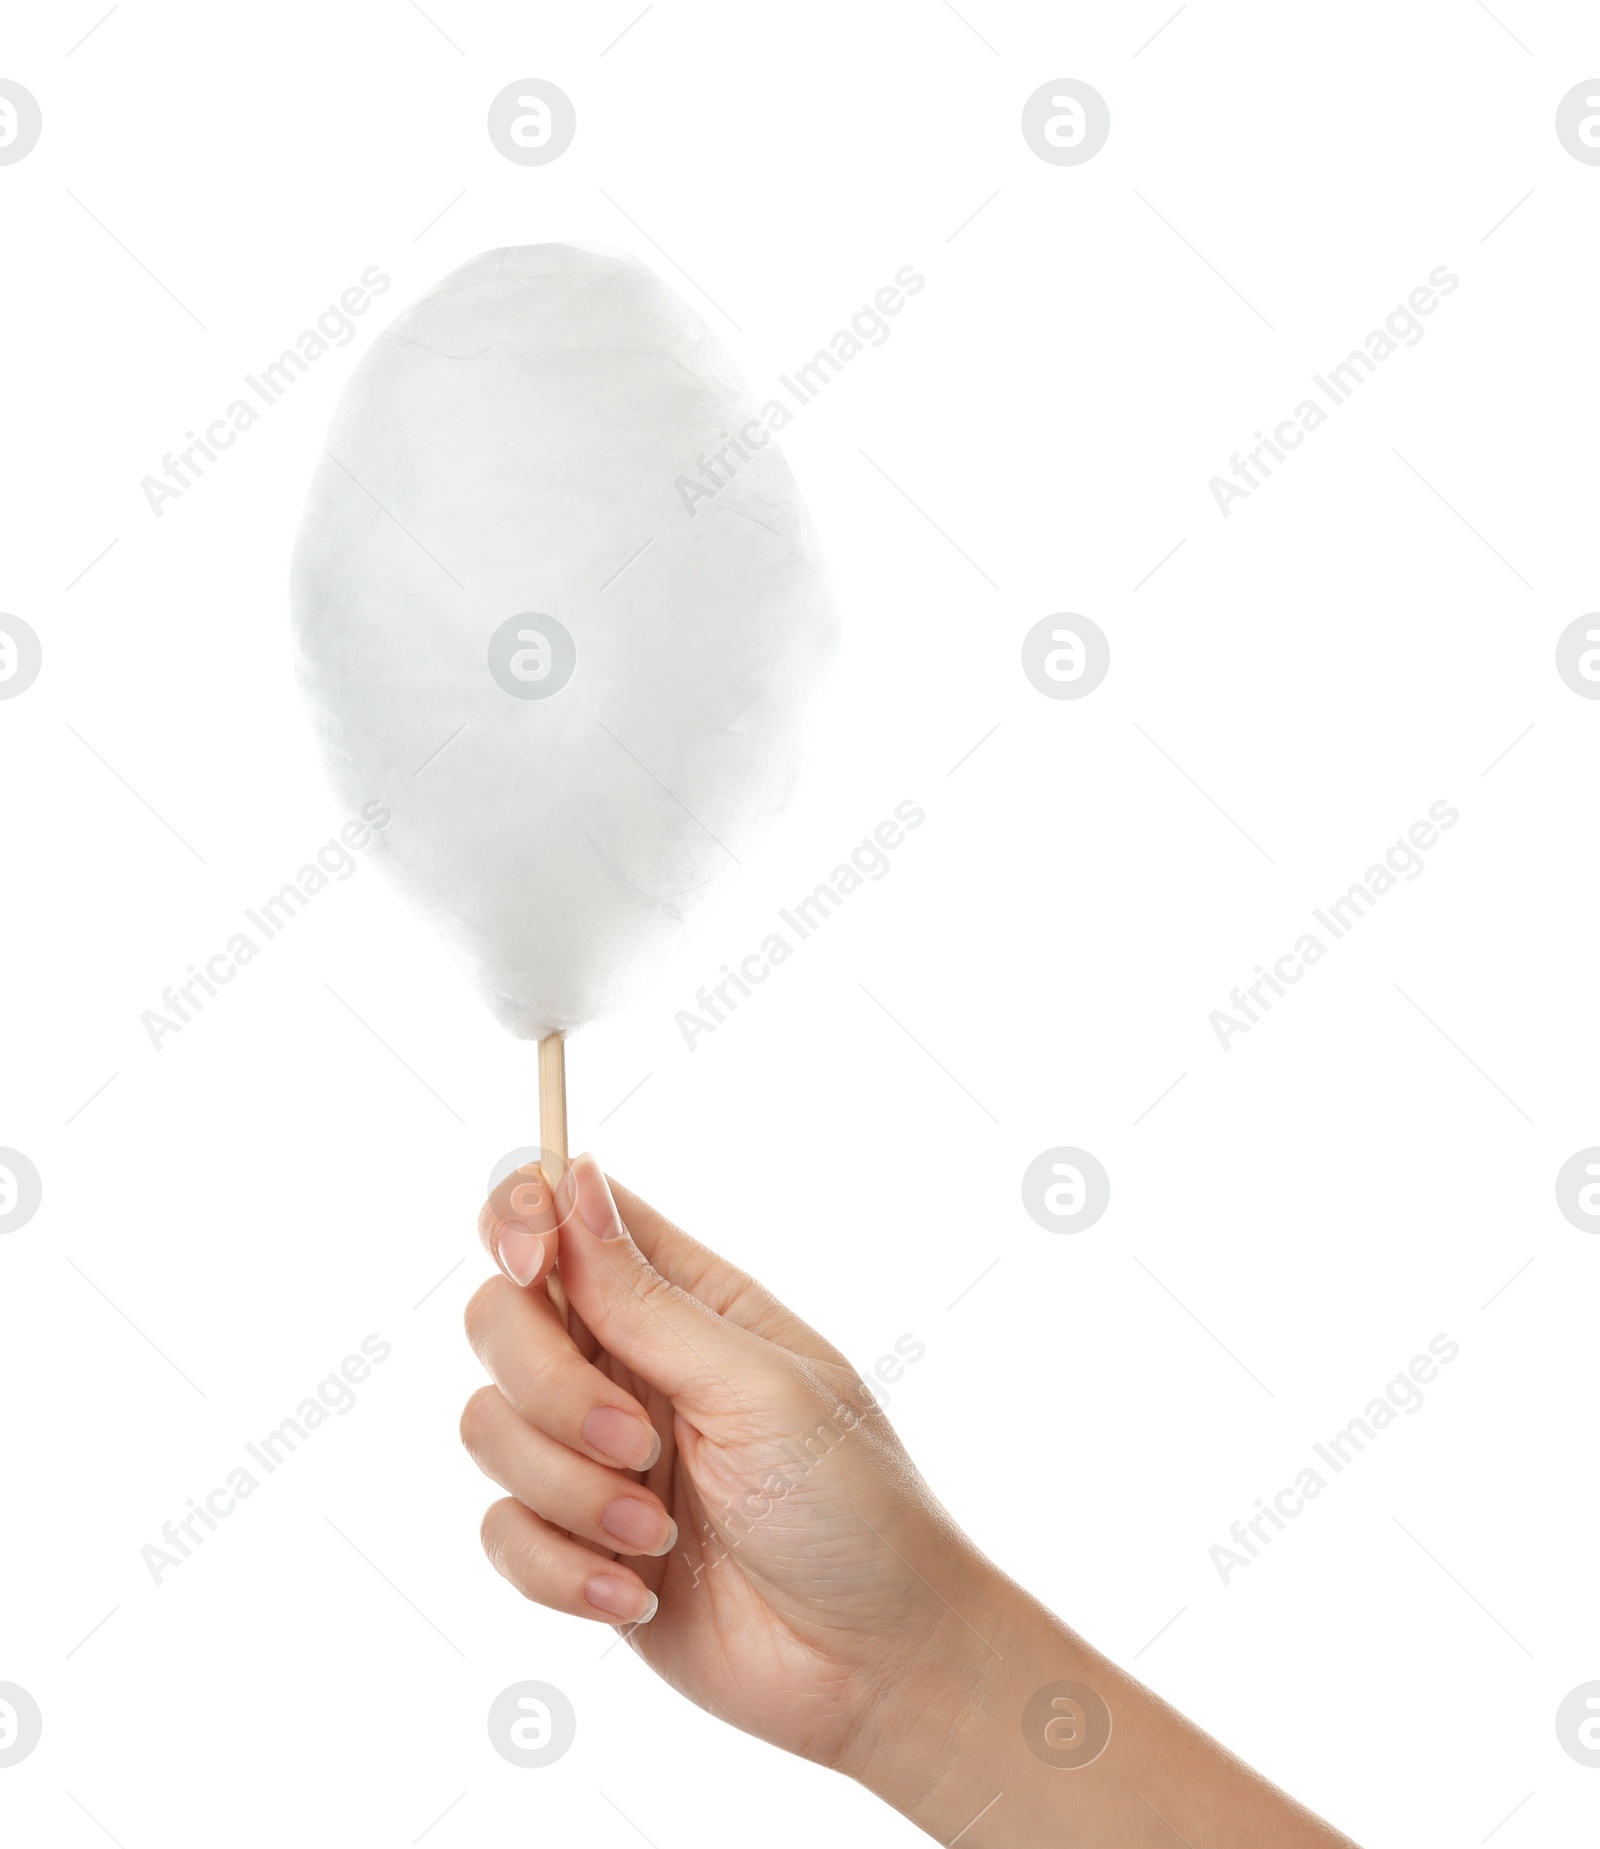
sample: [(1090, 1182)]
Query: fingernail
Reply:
[(526, 1197), (624, 1437), (621, 1598), (521, 1251), (529, 1197), (596, 1208), (639, 1525)]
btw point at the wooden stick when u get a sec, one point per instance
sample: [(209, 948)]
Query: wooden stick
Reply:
[(553, 1135)]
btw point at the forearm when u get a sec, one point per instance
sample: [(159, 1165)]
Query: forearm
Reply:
[(999, 1738)]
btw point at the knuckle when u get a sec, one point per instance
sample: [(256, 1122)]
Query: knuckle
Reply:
[(484, 1309), (514, 1555), (653, 1290), (492, 1534), (477, 1418), (642, 1301), (821, 1390), (534, 1372)]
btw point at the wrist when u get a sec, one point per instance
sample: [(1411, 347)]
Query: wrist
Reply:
[(999, 1733), (944, 1724)]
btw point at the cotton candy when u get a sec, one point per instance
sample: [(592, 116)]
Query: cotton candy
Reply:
[(538, 438)]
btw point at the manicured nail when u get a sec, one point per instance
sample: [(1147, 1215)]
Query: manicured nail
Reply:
[(596, 1209), (625, 1438), (530, 1197), (621, 1598), (639, 1525), (521, 1251)]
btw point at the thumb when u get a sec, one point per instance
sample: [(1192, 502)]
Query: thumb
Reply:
[(706, 1364)]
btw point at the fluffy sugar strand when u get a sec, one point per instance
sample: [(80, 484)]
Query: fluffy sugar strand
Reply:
[(511, 448)]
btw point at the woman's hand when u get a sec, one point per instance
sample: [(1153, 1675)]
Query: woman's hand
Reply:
[(694, 1460), (694, 1463)]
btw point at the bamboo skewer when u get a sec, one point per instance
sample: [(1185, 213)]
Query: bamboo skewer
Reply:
[(553, 1134)]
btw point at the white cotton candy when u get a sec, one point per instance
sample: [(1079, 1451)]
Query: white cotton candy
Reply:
[(506, 448), (515, 446)]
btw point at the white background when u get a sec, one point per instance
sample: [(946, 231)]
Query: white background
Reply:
[(1288, 1225)]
